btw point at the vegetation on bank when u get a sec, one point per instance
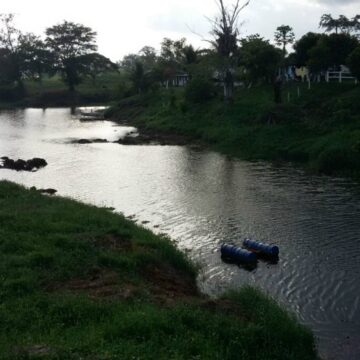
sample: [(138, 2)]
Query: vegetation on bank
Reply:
[(81, 282), (319, 129)]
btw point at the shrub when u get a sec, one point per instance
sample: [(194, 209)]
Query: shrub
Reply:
[(199, 90)]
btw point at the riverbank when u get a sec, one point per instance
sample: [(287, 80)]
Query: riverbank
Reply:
[(80, 281), (317, 128)]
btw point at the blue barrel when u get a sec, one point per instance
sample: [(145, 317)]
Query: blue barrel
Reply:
[(237, 254), (266, 249)]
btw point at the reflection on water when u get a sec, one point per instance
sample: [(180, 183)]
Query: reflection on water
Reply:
[(202, 199)]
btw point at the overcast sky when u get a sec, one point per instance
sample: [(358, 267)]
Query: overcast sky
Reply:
[(125, 26)]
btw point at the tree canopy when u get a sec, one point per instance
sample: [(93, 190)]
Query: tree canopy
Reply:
[(303, 46), (284, 35), (342, 24), (259, 58), (69, 43)]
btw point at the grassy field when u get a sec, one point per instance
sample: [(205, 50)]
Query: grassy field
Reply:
[(319, 129), (79, 282)]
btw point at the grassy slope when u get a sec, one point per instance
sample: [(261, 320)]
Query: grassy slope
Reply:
[(321, 129), (80, 282)]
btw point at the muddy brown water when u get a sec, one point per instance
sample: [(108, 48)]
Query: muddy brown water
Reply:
[(201, 199)]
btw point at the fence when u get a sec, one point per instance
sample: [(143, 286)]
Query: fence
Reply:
[(340, 76)]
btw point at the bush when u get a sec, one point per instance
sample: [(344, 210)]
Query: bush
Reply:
[(199, 90)]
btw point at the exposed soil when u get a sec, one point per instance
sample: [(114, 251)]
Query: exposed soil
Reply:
[(164, 284), (167, 285), (100, 283)]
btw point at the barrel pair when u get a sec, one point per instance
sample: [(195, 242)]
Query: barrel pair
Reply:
[(248, 255)]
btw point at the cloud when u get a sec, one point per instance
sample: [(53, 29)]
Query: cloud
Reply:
[(126, 26)]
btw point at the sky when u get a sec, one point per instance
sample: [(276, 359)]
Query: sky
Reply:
[(125, 26)]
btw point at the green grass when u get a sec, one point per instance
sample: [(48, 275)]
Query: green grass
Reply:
[(52, 306), (320, 129)]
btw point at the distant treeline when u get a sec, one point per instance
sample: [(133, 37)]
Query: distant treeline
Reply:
[(69, 50)]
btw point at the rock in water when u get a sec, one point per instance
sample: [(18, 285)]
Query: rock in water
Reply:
[(22, 165)]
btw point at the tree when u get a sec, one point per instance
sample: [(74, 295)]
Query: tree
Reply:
[(175, 55), (190, 55), (7, 67), (173, 50), (345, 24), (341, 46), (259, 58), (137, 76), (328, 23), (147, 55), (319, 56), (69, 43), (199, 90), (95, 64), (10, 43), (342, 23), (355, 24), (354, 62), (141, 69), (303, 46), (33, 57), (23, 55), (284, 35), (331, 50), (142, 80), (225, 32)]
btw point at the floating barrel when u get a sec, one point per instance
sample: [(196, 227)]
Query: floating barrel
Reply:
[(237, 254), (271, 250)]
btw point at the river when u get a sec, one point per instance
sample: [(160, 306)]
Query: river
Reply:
[(201, 199)]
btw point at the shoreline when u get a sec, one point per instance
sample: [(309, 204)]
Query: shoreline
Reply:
[(318, 141), (101, 277)]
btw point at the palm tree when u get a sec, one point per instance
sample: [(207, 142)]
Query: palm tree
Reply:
[(341, 23), (328, 23)]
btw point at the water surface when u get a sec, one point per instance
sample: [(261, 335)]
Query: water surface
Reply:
[(201, 199)]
